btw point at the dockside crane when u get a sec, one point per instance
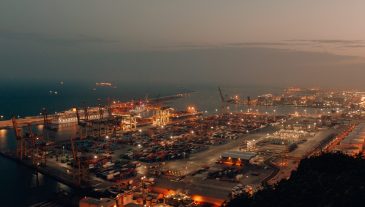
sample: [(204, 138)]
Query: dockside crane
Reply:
[(146, 100), (223, 101), (45, 118), (101, 112), (101, 117), (45, 123), (76, 162), (77, 116), (33, 150), (82, 124), (45, 137), (80, 172), (28, 145), (20, 144), (86, 114), (33, 147), (109, 108)]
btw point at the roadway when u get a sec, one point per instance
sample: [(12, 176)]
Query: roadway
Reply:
[(211, 155), (301, 152)]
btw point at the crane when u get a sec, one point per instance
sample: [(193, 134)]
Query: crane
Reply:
[(223, 101), (76, 161), (77, 116), (82, 123), (101, 112), (33, 147), (86, 114), (19, 139), (45, 123), (45, 117)]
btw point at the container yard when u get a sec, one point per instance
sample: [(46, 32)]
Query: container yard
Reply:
[(353, 143), (147, 153)]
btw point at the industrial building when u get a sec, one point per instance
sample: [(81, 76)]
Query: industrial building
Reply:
[(353, 144), (237, 157)]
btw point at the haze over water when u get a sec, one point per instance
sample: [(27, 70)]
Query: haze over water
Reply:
[(29, 99), (159, 48)]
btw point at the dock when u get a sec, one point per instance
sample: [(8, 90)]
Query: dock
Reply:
[(49, 172), (34, 120)]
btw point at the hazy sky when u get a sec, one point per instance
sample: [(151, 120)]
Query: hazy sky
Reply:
[(184, 41)]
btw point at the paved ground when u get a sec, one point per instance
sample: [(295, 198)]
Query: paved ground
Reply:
[(311, 143), (198, 184), (298, 154), (210, 156)]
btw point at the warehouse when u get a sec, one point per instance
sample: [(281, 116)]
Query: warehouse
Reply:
[(236, 157)]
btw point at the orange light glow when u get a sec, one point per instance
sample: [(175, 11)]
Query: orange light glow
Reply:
[(197, 198), (3, 133)]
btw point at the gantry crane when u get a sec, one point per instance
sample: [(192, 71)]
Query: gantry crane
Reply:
[(128, 122), (161, 116), (82, 123), (45, 117), (76, 173), (86, 114), (109, 107), (80, 172), (33, 148), (28, 144), (20, 144)]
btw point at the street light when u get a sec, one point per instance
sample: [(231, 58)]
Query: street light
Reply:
[(274, 115)]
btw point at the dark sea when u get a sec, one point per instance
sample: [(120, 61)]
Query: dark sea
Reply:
[(19, 185)]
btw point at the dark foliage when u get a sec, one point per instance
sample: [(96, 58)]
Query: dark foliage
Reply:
[(326, 181)]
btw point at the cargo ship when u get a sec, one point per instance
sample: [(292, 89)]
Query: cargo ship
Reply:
[(70, 116), (104, 84)]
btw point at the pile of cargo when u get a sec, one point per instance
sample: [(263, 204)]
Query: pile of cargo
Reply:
[(163, 151), (117, 171)]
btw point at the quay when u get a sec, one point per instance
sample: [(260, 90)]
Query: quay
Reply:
[(58, 176), (34, 120)]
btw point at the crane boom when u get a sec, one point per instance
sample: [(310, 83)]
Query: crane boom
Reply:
[(16, 129), (74, 153), (45, 117), (101, 112), (86, 114), (19, 139), (78, 116), (221, 94)]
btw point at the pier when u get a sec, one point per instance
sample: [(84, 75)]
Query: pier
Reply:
[(22, 121), (52, 173)]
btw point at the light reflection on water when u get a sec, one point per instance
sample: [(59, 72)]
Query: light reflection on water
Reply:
[(3, 133), (40, 127), (20, 181), (3, 137)]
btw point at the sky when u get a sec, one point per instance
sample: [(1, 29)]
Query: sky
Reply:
[(286, 42)]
